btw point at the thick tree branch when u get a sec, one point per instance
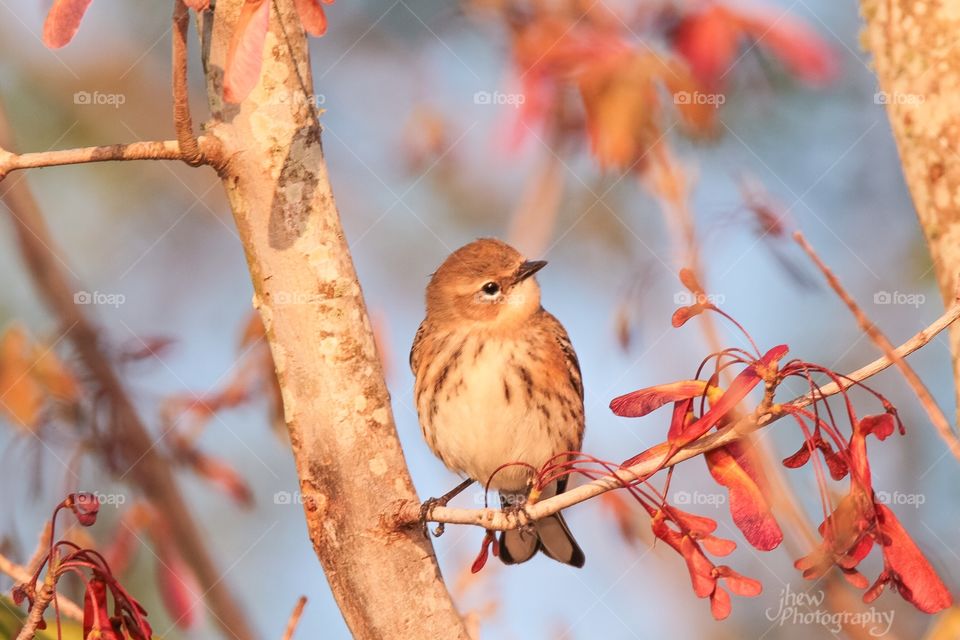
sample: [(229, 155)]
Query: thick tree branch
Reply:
[(918, 68), (336, 403), (128, 444), (408, 513)]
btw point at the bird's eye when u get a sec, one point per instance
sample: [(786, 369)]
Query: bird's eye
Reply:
[(491, 288)]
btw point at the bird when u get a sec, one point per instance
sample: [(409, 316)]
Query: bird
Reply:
[(498, 382)]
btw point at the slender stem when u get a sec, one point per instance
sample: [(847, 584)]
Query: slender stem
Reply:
[(294, 618), (408, 513), (182, 123), (147, 150)]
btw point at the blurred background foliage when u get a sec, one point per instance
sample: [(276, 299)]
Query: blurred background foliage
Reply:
[(420, 165)]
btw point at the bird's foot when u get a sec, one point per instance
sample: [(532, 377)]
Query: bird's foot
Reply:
[(426, 511), (516, 508)]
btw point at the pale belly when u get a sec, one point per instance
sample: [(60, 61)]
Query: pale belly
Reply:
[(482, 426)]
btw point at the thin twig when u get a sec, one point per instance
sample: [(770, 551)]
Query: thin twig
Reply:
[(182, 123), (294, 618), (23, 574), (408, 513), (149, 150), (43, 548), (930, 405)]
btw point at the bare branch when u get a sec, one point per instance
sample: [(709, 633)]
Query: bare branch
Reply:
[(182, 123), (408, 513), (43, 598), (209, 147), (937, 417)]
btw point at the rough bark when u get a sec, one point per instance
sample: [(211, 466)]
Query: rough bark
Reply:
[(336, 403), (917, 61)]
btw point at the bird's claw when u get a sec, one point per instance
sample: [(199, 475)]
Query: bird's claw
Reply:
[(426, 510), (518, 510)]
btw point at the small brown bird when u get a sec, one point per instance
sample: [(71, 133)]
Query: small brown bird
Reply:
[(497, 381)]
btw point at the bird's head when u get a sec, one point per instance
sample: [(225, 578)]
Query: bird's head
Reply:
[(486, 281)]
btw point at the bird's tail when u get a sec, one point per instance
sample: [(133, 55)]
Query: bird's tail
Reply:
[(550, 535)]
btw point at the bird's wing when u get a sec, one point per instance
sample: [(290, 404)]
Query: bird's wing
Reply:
[(566, 348), (415, 350)]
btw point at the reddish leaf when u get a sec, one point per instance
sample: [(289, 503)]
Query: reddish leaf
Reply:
[(95, 612), (312, 17), (689, 280), (178, 586), (701, 569), (800, 458), (708, 41), (720, 604), (681, 420), (802, 51), (245, 55), (643, 401), (691, 522), (740, 584), (748, 506), (481, 560), (881, 426), (855, 578), (683, 314), (718, 546), (62, 22), (916, 579)]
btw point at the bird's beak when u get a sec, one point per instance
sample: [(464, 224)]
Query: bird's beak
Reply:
[(527, 269)]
